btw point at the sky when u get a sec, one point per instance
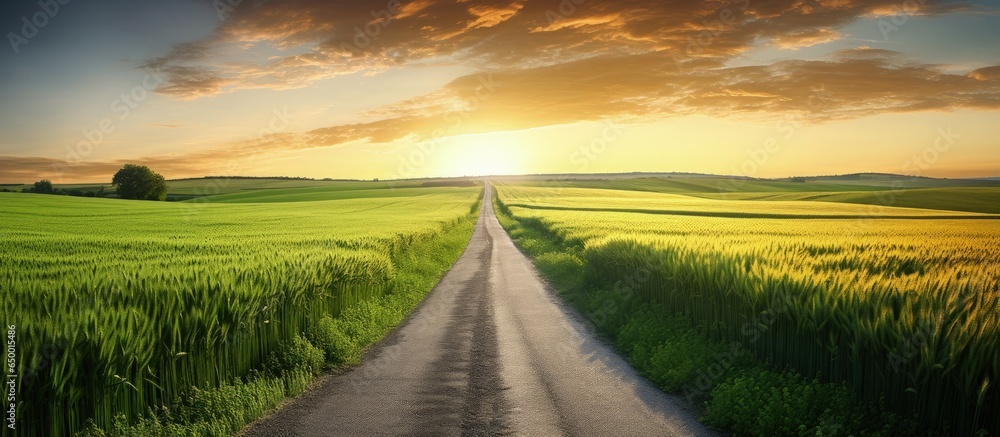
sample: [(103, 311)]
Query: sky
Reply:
[(396, 89)]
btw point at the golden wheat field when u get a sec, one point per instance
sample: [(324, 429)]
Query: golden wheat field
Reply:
[(900, 303)]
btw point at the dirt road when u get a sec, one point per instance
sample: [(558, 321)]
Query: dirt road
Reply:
[(489, 352)]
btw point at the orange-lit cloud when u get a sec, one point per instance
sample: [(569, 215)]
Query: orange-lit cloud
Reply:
[(806, 38), (849, 84), (489, 16), (338, 38), (226, 159)]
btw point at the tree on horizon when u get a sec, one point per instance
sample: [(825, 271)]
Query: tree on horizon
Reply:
[(140, 183)]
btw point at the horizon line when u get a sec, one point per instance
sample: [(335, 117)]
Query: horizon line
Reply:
[(376, 179)]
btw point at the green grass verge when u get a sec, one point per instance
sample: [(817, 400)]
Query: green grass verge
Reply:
[(736, 392), (329, 343)]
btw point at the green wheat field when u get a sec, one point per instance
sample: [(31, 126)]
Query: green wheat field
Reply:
[(216, 308), (825, 307), (883, 290)]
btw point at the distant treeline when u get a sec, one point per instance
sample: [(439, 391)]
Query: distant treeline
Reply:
[(455, 183), (291, 178), (45, 187)]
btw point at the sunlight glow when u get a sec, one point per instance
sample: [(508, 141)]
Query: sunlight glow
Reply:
[(481, 155)]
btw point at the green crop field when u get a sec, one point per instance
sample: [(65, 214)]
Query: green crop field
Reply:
[(594, 199), (899, 304), (885, 190), (196, 317), (971, 199), (313, 194), (199, 188), (824, 307)]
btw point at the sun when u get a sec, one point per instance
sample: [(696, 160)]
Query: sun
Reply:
[(481, 155)]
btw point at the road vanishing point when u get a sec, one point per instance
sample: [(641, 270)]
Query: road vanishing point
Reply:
[(490, 351)]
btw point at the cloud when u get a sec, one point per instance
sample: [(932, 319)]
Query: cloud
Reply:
[(28, 169), (986, 73), (806, 38), (490, 16), (542, 63), (233, 158), (332, 38), (848, 84)]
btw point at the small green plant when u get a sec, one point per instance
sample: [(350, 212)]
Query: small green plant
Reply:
[(328, 337), (296, 354), (667, 349)]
